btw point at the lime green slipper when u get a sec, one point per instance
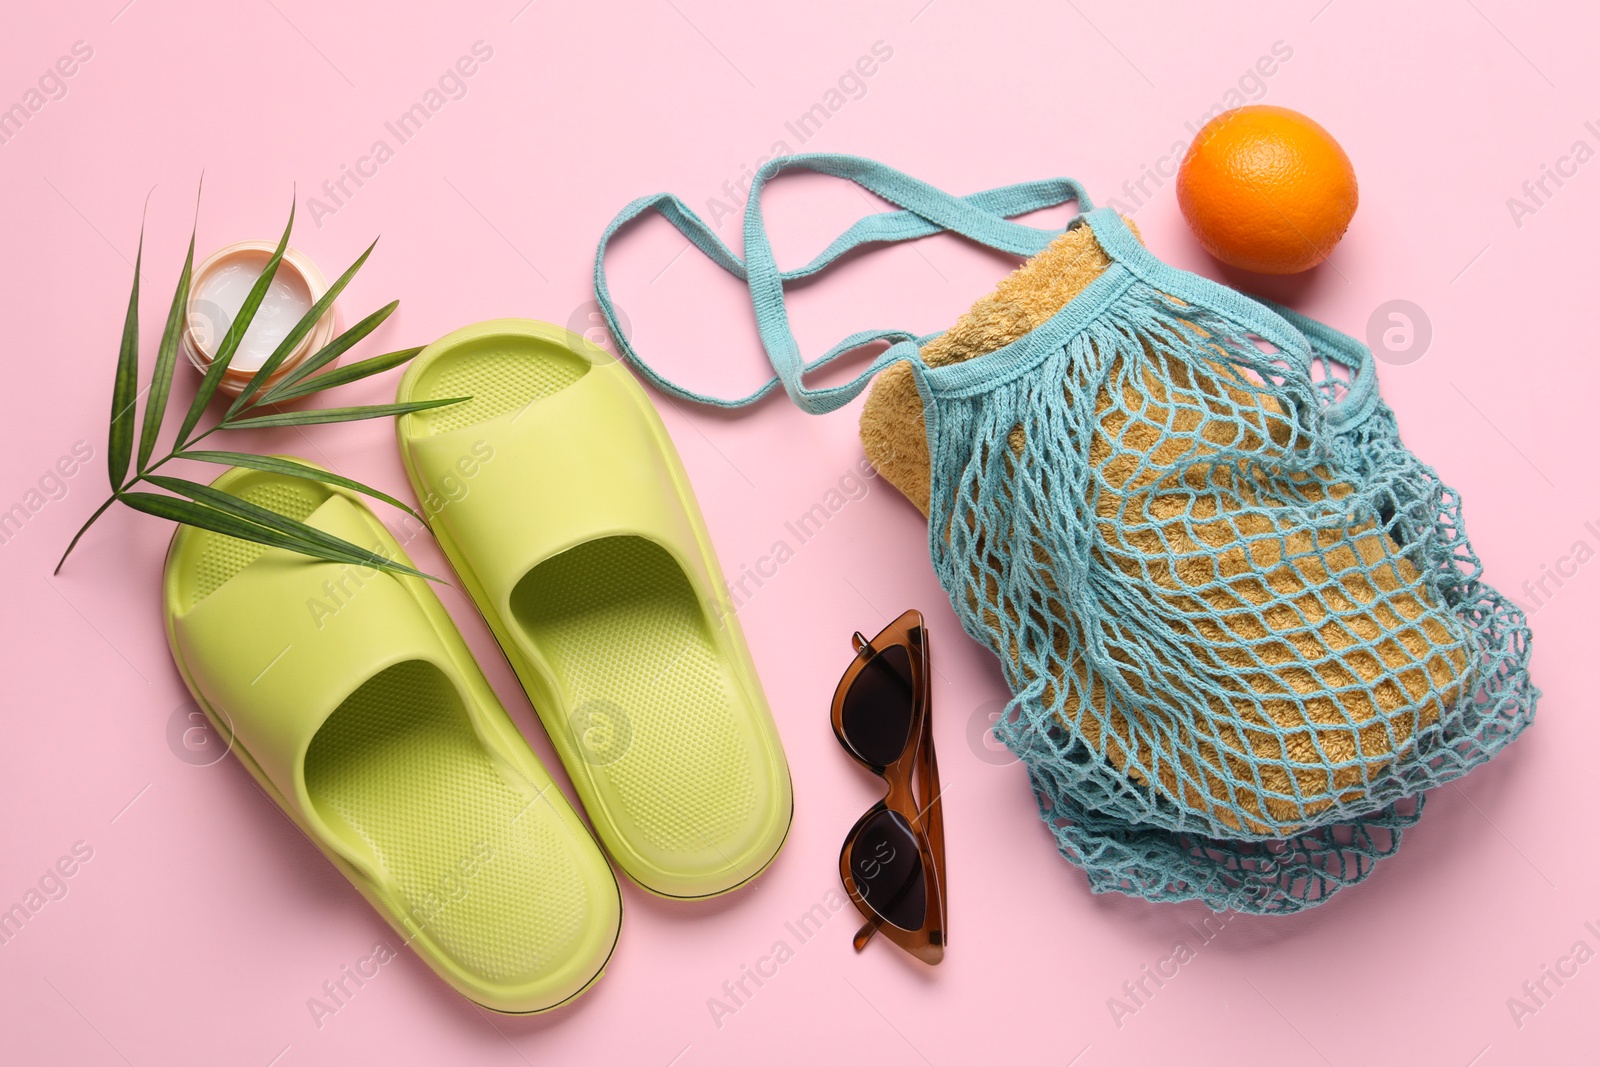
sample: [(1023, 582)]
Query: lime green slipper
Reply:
[(563, 506), (352, 699)]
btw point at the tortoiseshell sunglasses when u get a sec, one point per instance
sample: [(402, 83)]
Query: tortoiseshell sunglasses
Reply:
[(892, 862)]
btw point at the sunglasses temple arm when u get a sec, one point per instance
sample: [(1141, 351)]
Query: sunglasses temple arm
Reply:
[(868, 930)]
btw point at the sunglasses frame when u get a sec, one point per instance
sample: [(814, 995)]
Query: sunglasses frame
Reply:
[(913, 793)]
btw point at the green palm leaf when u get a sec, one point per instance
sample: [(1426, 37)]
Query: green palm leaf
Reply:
[(208, 508), (190, 513), (330, 352), (155, 405), (345, 375), (353, 414), (229, 504), (125, 388), (278, 465)]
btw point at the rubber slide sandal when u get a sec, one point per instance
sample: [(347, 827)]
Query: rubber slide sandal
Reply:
[(354, 702), (574, 530)]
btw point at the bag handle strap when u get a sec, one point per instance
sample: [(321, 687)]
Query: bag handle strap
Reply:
[(923, 210)]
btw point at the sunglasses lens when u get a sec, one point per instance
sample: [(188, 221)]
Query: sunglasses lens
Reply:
[(876, 718), (888, 870)]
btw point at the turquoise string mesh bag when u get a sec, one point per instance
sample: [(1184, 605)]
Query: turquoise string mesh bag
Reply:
[(1242, 624)]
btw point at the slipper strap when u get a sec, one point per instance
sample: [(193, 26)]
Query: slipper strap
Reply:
[(281, 644), (565, 470)]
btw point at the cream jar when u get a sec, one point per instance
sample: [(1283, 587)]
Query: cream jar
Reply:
[(217, 291)]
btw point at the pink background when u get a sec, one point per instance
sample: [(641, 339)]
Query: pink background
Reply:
[(204, 922)]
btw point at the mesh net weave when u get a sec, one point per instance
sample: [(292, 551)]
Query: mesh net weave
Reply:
[(1244, 630)]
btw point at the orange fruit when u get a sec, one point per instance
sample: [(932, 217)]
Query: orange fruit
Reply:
[(1266, 189)]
